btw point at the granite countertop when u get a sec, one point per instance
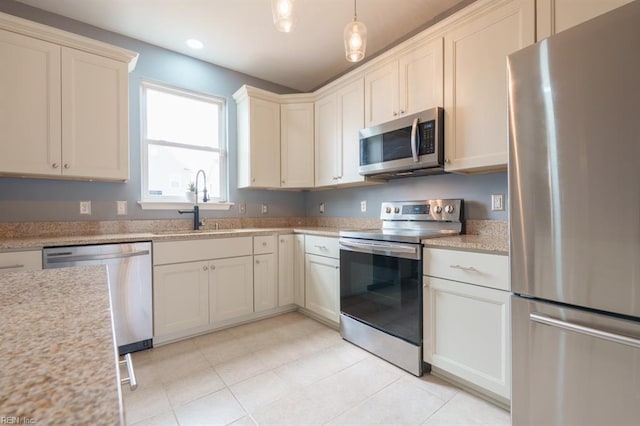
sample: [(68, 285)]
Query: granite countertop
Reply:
[(36, 243), (494, 244), (58, 361)]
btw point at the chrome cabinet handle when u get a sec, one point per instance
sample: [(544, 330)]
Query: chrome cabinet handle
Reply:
[(12, 266), (323, 248), (131, 380), (588, 331), (464, 268)]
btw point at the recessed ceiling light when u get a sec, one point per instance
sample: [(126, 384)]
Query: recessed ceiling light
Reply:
[(195, 44)]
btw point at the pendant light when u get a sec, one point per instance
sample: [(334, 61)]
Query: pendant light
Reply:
[(282, 11), (355, 38)]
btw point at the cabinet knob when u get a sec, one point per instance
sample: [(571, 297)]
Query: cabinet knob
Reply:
[(257, 262), (282, 181), (55, 165), (446, 160), (282, 241), (66, 165), (204, 268), (395, 114), (264, 244), (253, 180), (213, 266), (401, 111)]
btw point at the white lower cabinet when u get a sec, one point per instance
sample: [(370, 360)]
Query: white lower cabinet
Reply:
[(16, 261), (230, 288), (322, 285), (180, 298), (265, 283), (286, 270), (298, 270), (467, 326)]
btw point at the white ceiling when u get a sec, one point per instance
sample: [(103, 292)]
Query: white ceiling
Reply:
[(240, 35)]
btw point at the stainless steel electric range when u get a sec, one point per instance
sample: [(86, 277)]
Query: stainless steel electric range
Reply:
[(381, 278)]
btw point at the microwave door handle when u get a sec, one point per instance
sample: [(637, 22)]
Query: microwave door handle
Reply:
[(414, 140)]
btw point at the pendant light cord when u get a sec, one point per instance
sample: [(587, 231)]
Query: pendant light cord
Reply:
[(355, 11)]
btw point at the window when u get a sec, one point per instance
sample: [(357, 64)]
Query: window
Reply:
[(182, 132)]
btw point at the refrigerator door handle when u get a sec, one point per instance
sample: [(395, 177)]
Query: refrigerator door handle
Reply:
[(581, 329)]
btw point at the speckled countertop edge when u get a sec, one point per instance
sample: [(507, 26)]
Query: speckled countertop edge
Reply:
[(58, 360), (493, 244), (37, 243)]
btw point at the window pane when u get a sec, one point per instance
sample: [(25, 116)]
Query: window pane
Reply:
[(181, 119), (172, 169)]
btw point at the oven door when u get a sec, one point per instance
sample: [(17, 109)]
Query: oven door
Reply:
[(380, 286)]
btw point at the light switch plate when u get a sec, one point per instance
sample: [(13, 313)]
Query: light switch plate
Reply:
[(242, 208), (363, 206), (121, 208), (321, 208), (497, 202), (85, 207), (265, 209)]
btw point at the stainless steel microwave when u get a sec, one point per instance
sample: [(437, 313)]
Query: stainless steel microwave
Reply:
[(408, 146)]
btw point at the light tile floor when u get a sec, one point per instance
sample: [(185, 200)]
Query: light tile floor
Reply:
[(289, 370)]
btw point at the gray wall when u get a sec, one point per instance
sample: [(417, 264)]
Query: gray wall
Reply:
[(44, 199), (476, 191)]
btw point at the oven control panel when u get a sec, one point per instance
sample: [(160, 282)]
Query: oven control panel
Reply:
[(429, 210)]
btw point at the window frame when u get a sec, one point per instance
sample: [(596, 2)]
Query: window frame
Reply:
[(170, 202)]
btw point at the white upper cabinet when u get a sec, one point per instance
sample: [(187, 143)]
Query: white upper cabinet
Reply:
[(64, 107), (296, 145), (553, 16), (339, 116), (407, 83), (258, 138), (475, 71), (95, 118), (275, 139)]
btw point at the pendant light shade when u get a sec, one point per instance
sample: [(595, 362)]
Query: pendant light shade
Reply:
[(355, 38), (282, 11)]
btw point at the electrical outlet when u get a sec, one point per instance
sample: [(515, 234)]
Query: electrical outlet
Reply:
[(85, 207), (321, 208), (363, 206), (265, 209), (497, 202), (121, 208), (242, 208)]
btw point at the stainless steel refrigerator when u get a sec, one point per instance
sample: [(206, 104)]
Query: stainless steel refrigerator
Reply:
[(574, 184)]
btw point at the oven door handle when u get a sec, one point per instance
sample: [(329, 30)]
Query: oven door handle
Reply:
[(401, 250)]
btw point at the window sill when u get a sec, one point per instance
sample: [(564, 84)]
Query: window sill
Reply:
[(176, 205)]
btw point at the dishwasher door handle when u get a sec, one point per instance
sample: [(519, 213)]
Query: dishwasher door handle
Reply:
[(131, 380), (66, 257)]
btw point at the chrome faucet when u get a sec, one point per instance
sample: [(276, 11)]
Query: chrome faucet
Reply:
[(196, 209)]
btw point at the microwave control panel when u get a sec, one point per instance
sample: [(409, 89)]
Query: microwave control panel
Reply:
[(428, 137)]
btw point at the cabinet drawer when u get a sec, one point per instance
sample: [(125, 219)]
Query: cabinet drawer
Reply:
[(322, 246), (264, 244), (20, 261), (193, 250), (488, 270)]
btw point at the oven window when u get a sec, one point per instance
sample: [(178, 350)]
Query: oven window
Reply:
[(384, 292)]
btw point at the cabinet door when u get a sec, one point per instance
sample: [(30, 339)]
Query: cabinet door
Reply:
[(30, 135), (350, 100), (467, 333), (322, 282), (381, 94), (476, 83), (264, 135), (553, 16), (296, 144), (95, 116), (230, 288), (180, 299), (265, 283), (421, 78), (326, 136), (298, 270), (286, 270)]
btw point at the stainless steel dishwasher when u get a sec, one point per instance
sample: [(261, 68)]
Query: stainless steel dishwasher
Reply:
[(129, 270)]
